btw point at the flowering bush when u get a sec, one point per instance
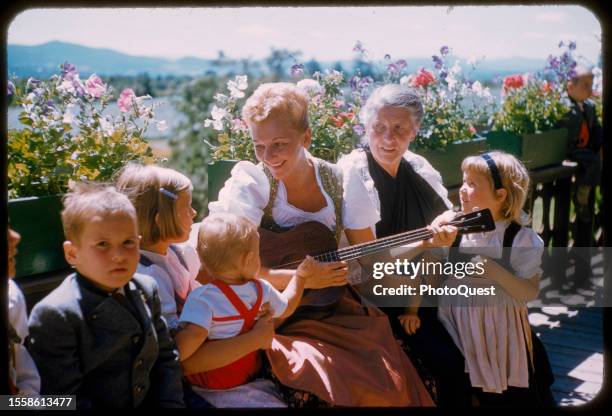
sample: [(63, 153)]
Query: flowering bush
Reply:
[(453, 104), (233, 140), (67, 136), (536, 102)]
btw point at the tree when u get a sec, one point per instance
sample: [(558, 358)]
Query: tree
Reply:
[(189, 151)]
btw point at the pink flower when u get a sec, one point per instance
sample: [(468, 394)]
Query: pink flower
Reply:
[(472, 130), (423, 78), (94, 86), (513, 82), (126, 99)]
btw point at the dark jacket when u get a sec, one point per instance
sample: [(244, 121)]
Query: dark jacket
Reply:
[(572, 122), (87, 343)]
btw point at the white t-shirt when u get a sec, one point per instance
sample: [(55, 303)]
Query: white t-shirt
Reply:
[(171, 276), (24, 374), (207, 302)]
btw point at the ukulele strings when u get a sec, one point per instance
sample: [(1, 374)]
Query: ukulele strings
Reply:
[(362, 249)]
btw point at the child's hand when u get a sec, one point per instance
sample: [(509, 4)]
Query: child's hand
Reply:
[(410, 322), (443, 234), (308, 268), (264, 329)]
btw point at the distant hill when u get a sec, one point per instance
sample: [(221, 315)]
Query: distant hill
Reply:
[(44, 60)]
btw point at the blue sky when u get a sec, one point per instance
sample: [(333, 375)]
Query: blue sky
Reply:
[(323, 33)]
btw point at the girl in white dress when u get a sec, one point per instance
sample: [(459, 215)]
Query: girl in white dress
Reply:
[(494, 335)]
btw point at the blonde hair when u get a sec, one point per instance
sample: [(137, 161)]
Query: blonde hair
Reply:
[(223, 238), (278, 98), (514, 179), (86, 200), (150, 188)]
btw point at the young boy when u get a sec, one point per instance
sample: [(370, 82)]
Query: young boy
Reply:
[(23, 375), (584, 145), (584, 139), (231, 303), (99, 335)]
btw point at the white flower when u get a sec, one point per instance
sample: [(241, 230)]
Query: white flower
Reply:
[(216, 124), (66, 87), (406, 80), (69, 114), (241, 80), (106, 126), (218, 113), (74, 155), (237, 86), (221, 98), (451, 80), (161, 125), (310, 86), (455, 69)]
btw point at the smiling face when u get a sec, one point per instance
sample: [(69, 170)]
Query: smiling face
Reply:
[(279, 146), (13, 240), (476, 193), (390, 132), (106, 251)]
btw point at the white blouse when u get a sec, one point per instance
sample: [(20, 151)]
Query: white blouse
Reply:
[(247, 191), (172, 277), (357, 182), (24, 374)]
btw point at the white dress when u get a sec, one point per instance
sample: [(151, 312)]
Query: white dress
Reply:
[(24, 374), (494, 335), (172, 277)]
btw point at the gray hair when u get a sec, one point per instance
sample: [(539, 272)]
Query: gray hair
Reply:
[(392, 95)]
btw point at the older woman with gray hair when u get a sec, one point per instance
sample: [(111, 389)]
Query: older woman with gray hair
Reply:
[(405, 192)]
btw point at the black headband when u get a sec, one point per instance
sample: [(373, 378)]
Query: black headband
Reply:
[(497, 182)]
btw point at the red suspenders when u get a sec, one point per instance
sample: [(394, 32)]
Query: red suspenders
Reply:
[(242, 370)]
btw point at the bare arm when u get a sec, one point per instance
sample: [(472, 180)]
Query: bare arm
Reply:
[(189, 339), (219, 353), (520, 289)]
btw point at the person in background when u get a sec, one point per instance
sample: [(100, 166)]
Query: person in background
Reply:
[(24, 379)]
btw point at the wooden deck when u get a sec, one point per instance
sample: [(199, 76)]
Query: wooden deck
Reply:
[(573, 337)]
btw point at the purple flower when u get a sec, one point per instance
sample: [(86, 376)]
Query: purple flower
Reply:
[(297, 70), (444, 50), (437, 61), (10, 87), (365, 81), (443, 74), (68, 70), (354, 82), (359, 129), (572, 45), (561, 44), (401, 63), (358, 47)]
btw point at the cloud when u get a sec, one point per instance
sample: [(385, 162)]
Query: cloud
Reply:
[(551, 17), (257, 30), (535, 35)]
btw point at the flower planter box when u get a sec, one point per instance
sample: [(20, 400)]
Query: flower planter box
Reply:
[(535, 150), (218, 173), (447, 161), (39, 222)]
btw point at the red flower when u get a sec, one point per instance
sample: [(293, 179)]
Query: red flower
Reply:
[(546, 87), (342, 118), (513, 81), (423, 78)]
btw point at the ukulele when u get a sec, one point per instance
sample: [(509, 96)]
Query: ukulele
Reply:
[(287, 249)]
